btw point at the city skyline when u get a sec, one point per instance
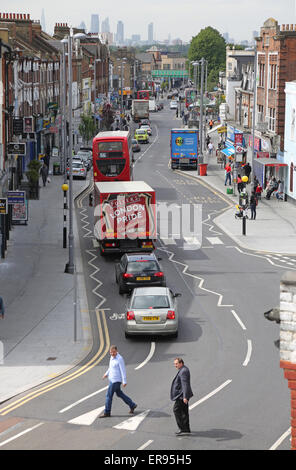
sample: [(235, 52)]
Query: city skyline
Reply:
[(168, 19)]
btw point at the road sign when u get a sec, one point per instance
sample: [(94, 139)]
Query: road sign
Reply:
[(3, 206), (239, 149), (16, 148)]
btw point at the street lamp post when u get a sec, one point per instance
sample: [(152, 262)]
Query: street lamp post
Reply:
[(70, 266)]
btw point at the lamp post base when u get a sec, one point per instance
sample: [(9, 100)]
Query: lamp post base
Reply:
[(69, 269)]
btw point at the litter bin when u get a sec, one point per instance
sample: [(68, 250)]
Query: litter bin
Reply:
[(202, 169), (56, 169)]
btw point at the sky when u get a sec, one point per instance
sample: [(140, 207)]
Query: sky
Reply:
[(180, 18)]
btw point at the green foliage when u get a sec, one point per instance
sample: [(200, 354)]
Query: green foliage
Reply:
[(33, 171), (87, 126), (210, 45)]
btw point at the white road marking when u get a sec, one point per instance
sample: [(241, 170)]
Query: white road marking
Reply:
[(132, 424), (152, 350), (249, 353), (87, 418), (191, 243), (238, 319), (280, 440), (95, 243), (169, 241), (210, 394), (215, 240), (19, 435), (82, 400), (145, 445)]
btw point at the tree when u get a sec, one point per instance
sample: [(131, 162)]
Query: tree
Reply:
[(87, 127), (210, 45)]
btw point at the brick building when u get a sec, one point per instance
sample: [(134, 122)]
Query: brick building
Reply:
[(276, 65)]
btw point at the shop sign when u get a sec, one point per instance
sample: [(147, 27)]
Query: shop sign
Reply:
[(14, 148), (18, 126), (28, 125), (3, 206)]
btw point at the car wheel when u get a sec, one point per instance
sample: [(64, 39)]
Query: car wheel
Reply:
[(175, 335), (127, 335)]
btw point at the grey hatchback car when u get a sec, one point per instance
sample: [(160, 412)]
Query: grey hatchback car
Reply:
[(152, 311)]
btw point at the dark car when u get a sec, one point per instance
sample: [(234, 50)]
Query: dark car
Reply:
[(135, 146), (138, 270)]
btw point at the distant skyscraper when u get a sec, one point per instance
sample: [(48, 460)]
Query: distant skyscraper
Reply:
[(226, 37), (94, 24), (120, 33), (82, 26), (150, 33), (105, 26), (43, 25)]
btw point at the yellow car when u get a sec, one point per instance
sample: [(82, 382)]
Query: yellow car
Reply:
[(141, 135)]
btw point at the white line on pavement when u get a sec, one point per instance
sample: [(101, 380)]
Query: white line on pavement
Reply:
[(132, 424), (249, 352), (280, 440), (238, 319), (82, 400), (145, 445), (19, 435), (87, 418), (152, 350), (210, 394)]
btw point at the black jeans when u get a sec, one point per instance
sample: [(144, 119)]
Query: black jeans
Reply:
[(181, 412), (253, 211)]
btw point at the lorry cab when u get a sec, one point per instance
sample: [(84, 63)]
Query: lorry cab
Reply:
[(141, 135)]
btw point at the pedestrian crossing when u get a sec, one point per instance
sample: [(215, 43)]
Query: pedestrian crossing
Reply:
[(187, 243)]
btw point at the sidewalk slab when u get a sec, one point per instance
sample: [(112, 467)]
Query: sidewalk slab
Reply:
[(37, 332)]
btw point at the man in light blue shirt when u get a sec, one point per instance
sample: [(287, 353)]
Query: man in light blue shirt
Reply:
[(116, 374)]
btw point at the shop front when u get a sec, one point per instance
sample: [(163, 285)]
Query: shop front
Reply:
[(267, 168)]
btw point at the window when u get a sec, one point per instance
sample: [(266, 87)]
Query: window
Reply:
[(271, 119), (261, 74), (260, 113), (273, 76)]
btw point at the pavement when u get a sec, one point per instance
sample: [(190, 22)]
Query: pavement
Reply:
[(37, 332)]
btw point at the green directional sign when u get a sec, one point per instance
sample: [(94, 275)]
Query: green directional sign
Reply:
[(169, 73)]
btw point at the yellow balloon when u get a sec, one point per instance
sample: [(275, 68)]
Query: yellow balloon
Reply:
[(245, 179)]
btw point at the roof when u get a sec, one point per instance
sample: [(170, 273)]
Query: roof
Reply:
[(150, 291), (123, 187), (270, 162), (109, 134)]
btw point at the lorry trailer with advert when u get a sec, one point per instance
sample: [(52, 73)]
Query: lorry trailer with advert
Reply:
[(124, 217), (184, 149)]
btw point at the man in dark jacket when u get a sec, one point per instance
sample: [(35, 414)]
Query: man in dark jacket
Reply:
[(181, 393)]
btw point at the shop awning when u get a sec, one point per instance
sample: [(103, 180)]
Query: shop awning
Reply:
[(270, 162), (228, 151)]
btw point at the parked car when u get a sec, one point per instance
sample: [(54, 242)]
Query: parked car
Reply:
[(173, 104), (135, 146), (78, 169), (152, 311), (147, 128), (136, 270), (141, 135), (145, 122)]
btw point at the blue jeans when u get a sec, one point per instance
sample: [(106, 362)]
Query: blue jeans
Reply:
[(115, 388), (228, 177)]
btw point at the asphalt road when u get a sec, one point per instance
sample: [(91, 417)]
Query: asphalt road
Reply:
[(241, 400)]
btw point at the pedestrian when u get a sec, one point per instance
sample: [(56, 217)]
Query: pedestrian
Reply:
[(177, 113), (116, 374), (228, 174), (210, 148), (247, 170), (208, 140), (211, 123), (44, 173), (253, 205), (240, 184), (181, 393), (2, 309)]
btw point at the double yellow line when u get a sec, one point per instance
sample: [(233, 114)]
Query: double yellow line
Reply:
[(104, 342)]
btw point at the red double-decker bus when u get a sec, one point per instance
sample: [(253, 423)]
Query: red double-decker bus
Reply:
[(190, 96), (143, 94), (112, 156)]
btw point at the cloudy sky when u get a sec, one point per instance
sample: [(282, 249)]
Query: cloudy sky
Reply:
[(179, 18)]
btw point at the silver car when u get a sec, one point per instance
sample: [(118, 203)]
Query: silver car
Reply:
[(152, 311)]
